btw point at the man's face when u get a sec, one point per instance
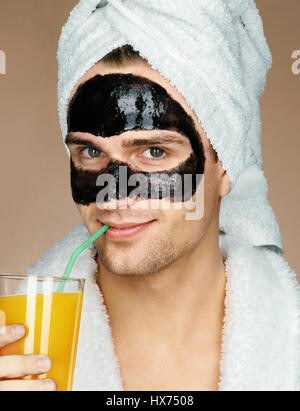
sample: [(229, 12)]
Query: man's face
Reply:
[(133, 116)]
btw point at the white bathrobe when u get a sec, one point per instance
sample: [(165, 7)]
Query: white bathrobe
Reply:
[(261, 335)]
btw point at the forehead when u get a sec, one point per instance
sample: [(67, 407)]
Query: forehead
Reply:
[(139, 70), (145, 70), (112, 104)]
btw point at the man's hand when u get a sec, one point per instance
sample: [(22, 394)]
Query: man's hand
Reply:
[(17, 366)]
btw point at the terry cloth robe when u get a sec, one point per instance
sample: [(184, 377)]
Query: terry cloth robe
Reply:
[(261, 335)]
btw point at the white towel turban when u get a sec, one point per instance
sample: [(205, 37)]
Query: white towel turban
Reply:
[(215, 53)]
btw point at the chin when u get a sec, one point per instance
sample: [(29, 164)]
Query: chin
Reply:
[(124, 269)]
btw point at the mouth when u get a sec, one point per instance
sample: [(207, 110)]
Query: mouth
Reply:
[(125, 230)]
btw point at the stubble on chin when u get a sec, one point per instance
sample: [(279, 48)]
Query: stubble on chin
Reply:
[(145, 261)]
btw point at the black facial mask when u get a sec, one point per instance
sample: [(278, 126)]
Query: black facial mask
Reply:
[(112, 104)]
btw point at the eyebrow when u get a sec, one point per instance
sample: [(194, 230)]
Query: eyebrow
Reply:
[(131, 142)]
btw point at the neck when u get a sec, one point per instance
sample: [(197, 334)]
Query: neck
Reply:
[(181, 304)]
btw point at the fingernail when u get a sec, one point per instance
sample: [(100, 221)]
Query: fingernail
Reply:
[(50, 385), (18, 330), (44, 363)]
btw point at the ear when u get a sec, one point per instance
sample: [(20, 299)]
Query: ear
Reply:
[(225, 185)]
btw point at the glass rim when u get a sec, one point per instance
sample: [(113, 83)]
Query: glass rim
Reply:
[(40, 277)]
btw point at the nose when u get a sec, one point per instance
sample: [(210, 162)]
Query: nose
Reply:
[(119, 204)]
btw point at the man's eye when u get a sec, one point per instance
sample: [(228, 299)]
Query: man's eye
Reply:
[(92, 152), (154, 152)]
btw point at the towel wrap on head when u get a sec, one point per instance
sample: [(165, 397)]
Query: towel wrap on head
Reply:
[(216, 55)]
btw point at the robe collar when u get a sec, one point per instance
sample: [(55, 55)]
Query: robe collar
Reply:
[(261, 333)]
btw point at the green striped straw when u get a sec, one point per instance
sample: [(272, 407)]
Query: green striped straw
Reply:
[(77, 253)]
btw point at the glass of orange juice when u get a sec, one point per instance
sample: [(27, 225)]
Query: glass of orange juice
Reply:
[(51, 316)]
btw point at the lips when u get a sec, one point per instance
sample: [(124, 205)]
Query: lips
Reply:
[(125, 230), (124, 225)]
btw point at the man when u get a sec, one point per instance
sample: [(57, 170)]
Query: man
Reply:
[(172, 302)]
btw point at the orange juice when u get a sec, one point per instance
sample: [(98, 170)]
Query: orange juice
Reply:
[(52, 323)]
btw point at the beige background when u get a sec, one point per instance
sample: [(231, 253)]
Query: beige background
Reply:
[(36, 207)]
